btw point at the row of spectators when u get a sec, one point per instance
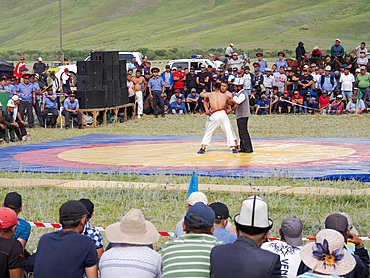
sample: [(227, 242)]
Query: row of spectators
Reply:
[(205, 244)]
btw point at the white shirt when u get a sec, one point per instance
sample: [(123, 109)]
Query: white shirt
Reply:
[(316, 79), (236, 63), (217, 63), (56, 85), (229, 51), (64, 78), (268, 81), (130, 261), (347, 81), (247, 81), (359, 50), (289, 256)]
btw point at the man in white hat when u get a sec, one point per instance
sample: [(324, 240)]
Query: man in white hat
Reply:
[(229, 50), (3, 129), (131, 255), (327, 81), (41, 69), (337, 51), (244, 257), (11, 124)]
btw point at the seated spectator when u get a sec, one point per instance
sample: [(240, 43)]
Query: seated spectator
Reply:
[(13, 200), (49, 105), (253, 101), (148, 107), (337, 106), (11, 125), (335, 94), (176, 96), (221, 220), (192, 101), (12, 260), (324, 100), (180, 257), (67, 253), (355, 106), (71, 109), (194, 198), (284, 104), (166, 103), (288, 246), (297, 100), (311, 101), (244, 257), (327, 256), (263, 106), (21, 130), (274, 99), (130, 256), (178, 108), (362, 61), (4, 137)]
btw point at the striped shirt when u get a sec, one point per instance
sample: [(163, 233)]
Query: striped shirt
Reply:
[(130, 261), (188, 256)]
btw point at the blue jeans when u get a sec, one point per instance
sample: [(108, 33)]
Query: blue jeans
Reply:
[(297, 109), (264, 111), (347, 94)]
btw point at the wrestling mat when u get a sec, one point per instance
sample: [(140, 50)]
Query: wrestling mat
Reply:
[(318, 158)]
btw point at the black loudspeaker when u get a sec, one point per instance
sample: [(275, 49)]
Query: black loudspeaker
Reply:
[(91, 99), (89, 82), (108, 58), (107, 74), (122, 73), (116, 72), (116, 93), (89, 68), (109, 94), (124, 95)]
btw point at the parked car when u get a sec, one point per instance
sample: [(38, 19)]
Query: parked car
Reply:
[(54, 66), (191, 63), (72, 68)]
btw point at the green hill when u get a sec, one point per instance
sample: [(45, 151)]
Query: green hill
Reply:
[(162, 24)]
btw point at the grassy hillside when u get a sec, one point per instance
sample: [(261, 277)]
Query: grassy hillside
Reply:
[(159, 24)]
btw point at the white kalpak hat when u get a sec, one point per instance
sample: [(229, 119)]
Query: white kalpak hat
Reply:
[(39, 59), (328, 68), (10, 103), (197, 197), (15, 98)]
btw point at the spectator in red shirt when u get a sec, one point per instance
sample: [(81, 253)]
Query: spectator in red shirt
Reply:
[(179, 77), (324, 100), (297, 99)]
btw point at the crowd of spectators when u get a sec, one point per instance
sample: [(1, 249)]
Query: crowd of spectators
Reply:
[(205, 244)]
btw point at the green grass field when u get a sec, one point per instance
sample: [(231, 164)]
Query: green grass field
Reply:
[(161, 24), (165, 207)]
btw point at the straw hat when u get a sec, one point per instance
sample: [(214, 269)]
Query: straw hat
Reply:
[(133, 229), (327, 254)]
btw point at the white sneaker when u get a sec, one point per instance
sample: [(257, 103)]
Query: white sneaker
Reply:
[(139, 116), (24, 138)]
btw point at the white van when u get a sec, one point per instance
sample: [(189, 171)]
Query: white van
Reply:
[(191, 63)]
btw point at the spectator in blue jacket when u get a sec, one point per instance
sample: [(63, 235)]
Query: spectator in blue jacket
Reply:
[(178, 107), (337, 51), (168, 81)]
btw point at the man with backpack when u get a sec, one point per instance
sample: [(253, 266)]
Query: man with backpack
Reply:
[(327, 81)]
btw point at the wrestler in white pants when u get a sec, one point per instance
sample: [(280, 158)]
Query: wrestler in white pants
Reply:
[(219, 118), (206, 127), (139, 101)]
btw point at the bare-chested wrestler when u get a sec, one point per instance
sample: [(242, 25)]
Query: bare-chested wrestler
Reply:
[(138, 88), (218, 118)]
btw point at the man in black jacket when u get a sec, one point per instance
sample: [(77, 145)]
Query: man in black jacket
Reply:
[(9, 122), (244, 257)]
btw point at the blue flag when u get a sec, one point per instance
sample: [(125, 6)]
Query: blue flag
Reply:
[(193, 186)]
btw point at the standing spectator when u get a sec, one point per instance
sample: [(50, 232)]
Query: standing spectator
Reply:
[(244, 257), (37, 91), (66, 81), (347, 82), (327, 256), (280, 80), (337, 106), (131, 93), (49, 105), (337, 51), (324, 100), (210, 79), (56, 87), (359, 49), (221, 62), (18, 69), (179, 78), (27, 99), (362, 61), (262, 62), (297, 100), (222, 77), (248, 80), (253, 101), (327, 81), (316, 79), (288, 247), (242, 114), (258, 81), (131, 255), (139, 82), (67, 253), (156, 91), (188, 255), (12, 259), (300, 53), (289, 80), (305, 82), (13, 200), (311, 101), (41, 69), (221, 219), (71, 108), (202, 79), (235, 62), (168, 81), (268, 80), (133, 65), (273, 69), (229, 50), (281, 62), (145, 66), (363, 81), (284, 104), (191, 81), (178, 107), (193, 101), (355, 106), (14, 90), (263, 106)]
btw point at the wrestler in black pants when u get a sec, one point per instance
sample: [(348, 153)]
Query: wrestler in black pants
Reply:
[(245, 139), (158, 103)]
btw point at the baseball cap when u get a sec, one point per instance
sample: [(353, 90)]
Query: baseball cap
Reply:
[(39, 59), (358, 70), (168, 66), (221, 210), (89, 206), (193, 90), (339, 96), (267, 69), (72, 210), (177, 91), (235, 54), (306, 67), (292, 229), (296, 93), (235, 69), (231, 44), (351, 228), (197, 197), (66, 69), (202, 66), (337, 222), (240, 72), (216, 57), (246, 68), (328, 68), (363, 67), (8, 218), (203, 212), (13, 200), (22, 58), (286, 92)]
